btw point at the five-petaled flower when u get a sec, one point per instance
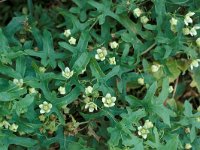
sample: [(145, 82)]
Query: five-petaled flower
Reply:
[(13, 127), (142, 131), (61, 90), (195, 63), (72, 41), (144, 19), (45, 107), (88, 90), (114, 45), (108, 100), (137, 12), (67, 32), (67, 73), (18, 82), (91, 106), (155, 68), (112, 61), (101, 54)]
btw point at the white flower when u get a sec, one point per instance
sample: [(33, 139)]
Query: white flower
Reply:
[(187, 130), (92, 106), (148, 124), (188, 146), (137, 12), (142, 131), (173, 21), (155, 68), (13, 127), (198, 42), (188, 18), (112, 61), (193, 31), (67, 32), (32, 91), (72, 41), (19, 82), (61, 90), (195, 63), (141, 81), (45, 107), (6, 124), (114, 44), (186, 31), (101, 54), (42, 69), (67, 73), (108, 100), (144, 20), (88, 90), (171, 89)]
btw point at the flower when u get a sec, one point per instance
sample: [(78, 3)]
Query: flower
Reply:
[(193, 31), (137, 12), (101, 54), (61, 90), (45, 107), (198, 42), (155, 68), (195, 63), (32, 91), (188, 146), (188, 18), (148, 124), (18, 82), (88, 90), (142, 131), (144, 20), (173, 21), (67, 73), (13, 127), (114, 44), (112, 61), (6, 124), (141, 81), (186, 31), (42, 69), (67, 32), (72, 41), (92, 106), (171, 89), (108, 100), (187, 130)]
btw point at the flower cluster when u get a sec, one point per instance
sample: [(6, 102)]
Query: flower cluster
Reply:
[(144, 130)]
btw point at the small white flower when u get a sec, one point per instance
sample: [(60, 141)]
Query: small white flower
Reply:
[(193, 31), (171, 89), (108, 100), (137, 12), (144, 19), (92, 106), (155, 68), (187, 130), (72, 41), (67, 32), (112, 61), (13, 127), (114, 44), (61, 90), (186, 31), (45, 107), (32, 91), (173, 21), (101, 54), (88, 90), (42, 69), (141, 81), (67, 73), (188, 18), (148, 124), (19, 82), (195, 63), (198, 42), (6, 124), (142, 131), (188, 146)]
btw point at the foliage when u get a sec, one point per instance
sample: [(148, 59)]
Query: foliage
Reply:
[(118, 75)]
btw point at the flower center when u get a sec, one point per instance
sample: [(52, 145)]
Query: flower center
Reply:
[(109, 101), (46, 107), (101, 55)]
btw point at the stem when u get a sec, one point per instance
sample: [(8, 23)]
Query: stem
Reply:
[(148, 49)]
